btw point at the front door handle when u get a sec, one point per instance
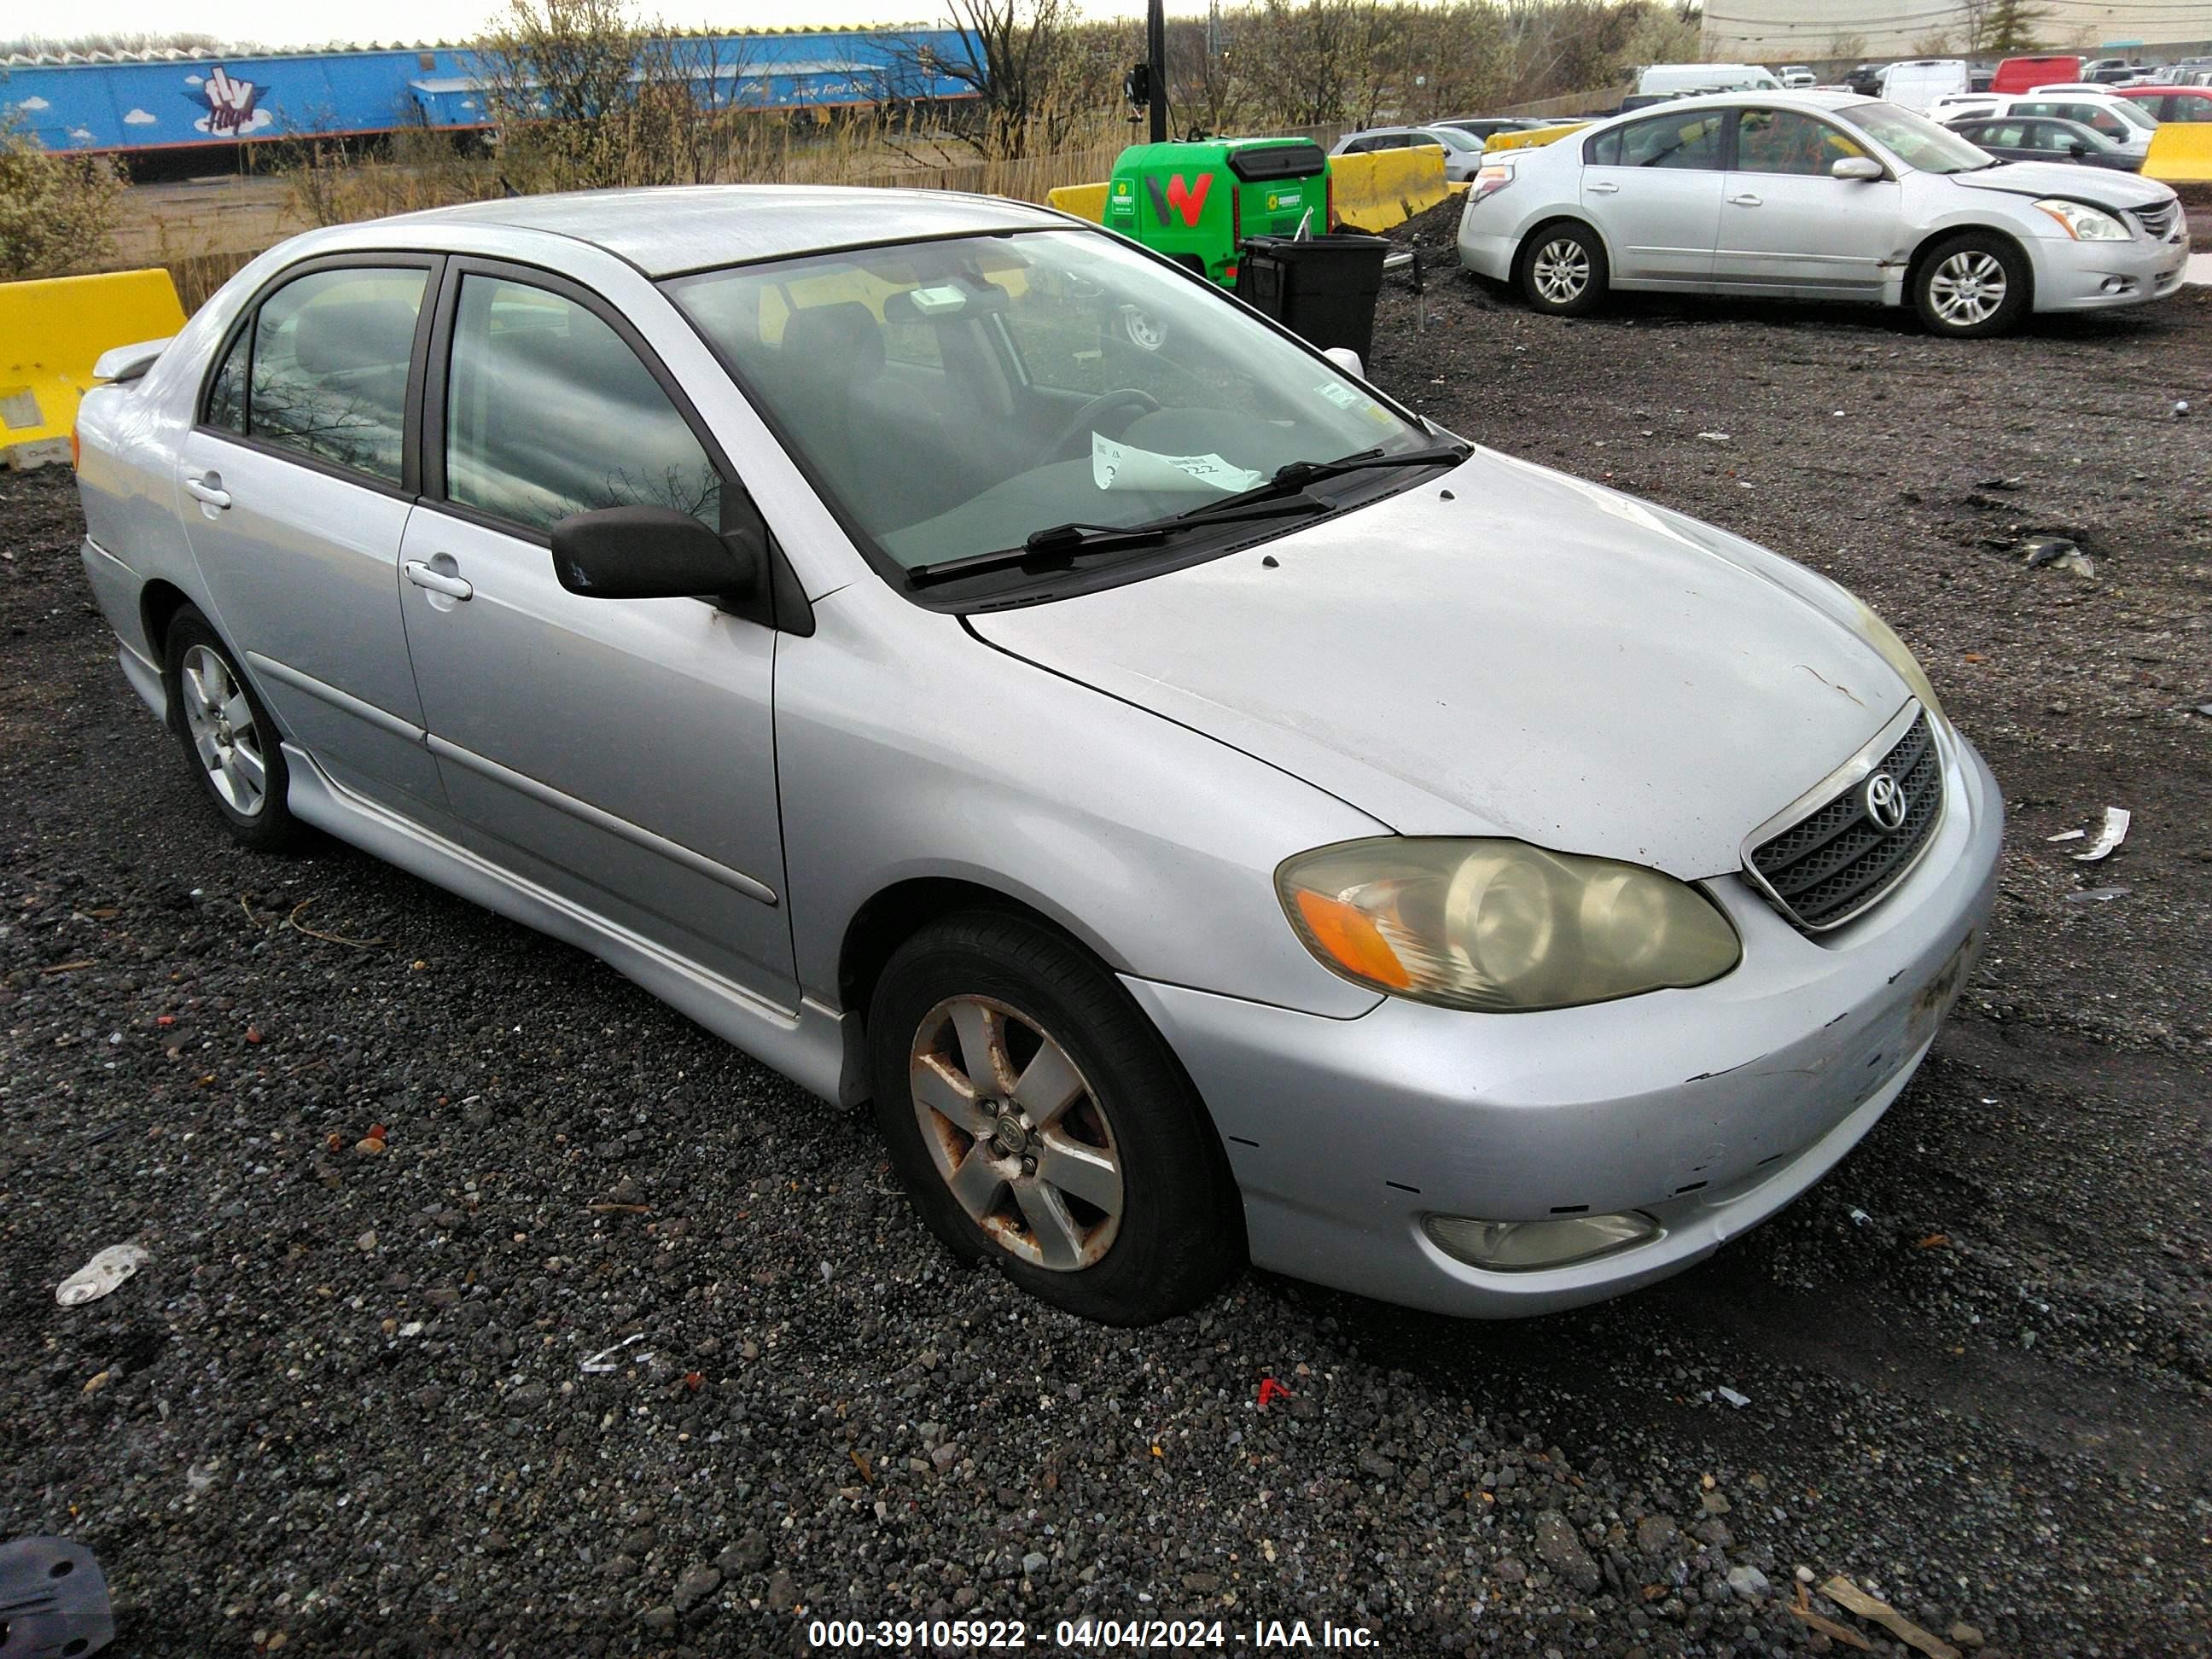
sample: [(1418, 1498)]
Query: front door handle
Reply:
[(208, 490), (1745, 200), (1601, 188), (454, 588)]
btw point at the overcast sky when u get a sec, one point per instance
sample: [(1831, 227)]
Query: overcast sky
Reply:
[(288, 23)]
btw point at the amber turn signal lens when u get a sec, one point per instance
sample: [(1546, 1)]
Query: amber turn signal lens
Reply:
[(1344, 932)]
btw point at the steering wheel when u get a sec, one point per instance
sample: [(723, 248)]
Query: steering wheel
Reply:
[(1085, 418)]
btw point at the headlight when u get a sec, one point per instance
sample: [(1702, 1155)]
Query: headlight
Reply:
[(1898, 655), (1499, 925), (2083, 222)]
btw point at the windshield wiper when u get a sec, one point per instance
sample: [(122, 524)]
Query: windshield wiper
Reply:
[(1295, 476), (1057, 543)]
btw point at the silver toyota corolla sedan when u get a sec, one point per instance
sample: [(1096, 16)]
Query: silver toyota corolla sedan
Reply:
[(1211, 811), (1817, 195)]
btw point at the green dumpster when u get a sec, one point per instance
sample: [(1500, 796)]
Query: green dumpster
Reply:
[(1195, 202)]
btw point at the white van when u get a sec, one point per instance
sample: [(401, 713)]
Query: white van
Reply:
[(1669, 78), (1919, 83)]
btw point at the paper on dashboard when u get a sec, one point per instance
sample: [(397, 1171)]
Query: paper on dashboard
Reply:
[(1123, 466)]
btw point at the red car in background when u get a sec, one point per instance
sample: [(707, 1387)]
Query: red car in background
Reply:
[(2172, 103), (2026, 73)]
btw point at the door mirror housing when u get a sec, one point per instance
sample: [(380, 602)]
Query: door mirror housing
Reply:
[(1347, 360), (2074, 147), (1863, 169), (654, 553)]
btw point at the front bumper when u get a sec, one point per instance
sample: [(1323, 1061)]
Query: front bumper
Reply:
[(2073, 275), (1707, 1109)]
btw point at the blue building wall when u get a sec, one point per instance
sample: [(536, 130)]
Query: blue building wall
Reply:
[(178, 103)]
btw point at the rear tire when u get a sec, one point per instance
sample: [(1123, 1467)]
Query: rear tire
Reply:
[(1563, 270), (1972, 285), (1041, 1124), (228, 740)]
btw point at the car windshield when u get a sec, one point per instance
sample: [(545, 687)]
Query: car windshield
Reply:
[(951, 399), (2135, 114), (1453, 138), (1915, 139)]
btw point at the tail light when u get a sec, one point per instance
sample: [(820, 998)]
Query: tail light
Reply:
[(76, 448), (1488, 181), (1329, 200), (1236, 215)]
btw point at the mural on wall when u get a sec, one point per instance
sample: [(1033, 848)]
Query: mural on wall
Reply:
[(233, 107)]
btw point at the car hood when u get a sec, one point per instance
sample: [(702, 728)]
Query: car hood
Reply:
[(1503, 650), (2099, 187)]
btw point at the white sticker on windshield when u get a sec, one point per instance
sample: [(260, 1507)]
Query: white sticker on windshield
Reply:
[(1341, 395), (1120, 466)]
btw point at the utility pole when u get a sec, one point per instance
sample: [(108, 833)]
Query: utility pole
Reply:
[(1156, 49)]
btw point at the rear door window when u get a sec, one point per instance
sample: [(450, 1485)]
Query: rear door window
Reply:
[(330, 353)]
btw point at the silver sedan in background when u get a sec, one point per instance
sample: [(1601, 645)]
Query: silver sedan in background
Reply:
[(1208, 810), (1817, 196)]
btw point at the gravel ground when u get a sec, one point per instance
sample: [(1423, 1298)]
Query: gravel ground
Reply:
[(344, 1409)]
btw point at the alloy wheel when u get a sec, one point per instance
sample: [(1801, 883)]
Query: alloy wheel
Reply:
[(1562, 270), (1016, 1132), (1967, 288), (224, 734)]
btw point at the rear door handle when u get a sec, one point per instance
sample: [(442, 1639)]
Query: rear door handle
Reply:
[(1603, 189), (1745, 200), (423, 576), (208, 490)]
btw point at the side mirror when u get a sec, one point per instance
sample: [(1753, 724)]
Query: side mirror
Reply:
[(1347, 360), (654, 553), (1864, 168), (2075, 148)]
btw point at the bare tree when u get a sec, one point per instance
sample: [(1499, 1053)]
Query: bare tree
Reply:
[(1015, 58)]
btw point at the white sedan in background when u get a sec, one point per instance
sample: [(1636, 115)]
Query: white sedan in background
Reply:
[(1463, 150), (1817, 196)]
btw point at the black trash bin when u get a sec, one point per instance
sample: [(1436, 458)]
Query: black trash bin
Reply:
[(1321, 289)]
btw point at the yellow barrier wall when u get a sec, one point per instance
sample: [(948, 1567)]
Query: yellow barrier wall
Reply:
[(1528, 138), (1084, 201), (2180, 153), (1374, 193), (51, 330)]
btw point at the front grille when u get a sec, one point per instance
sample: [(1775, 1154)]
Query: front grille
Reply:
[(1833, 863), (2157, 222)]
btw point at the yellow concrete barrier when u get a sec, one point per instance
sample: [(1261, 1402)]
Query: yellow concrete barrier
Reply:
[(1374, 193), (1084, 201), (1528, 138), (50, 331), (2180, 153)]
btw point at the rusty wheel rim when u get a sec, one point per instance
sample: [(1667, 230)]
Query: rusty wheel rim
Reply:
[(1017, 1134)]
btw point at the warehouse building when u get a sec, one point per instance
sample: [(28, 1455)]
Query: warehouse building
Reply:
[(144, 103)]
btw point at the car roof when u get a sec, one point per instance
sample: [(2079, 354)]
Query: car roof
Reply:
[(695, 226), (1805, 98)]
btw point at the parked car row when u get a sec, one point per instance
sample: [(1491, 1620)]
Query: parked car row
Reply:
[(1813, 195)]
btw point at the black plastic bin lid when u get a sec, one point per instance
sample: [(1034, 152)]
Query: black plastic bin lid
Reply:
[(1298, 161)]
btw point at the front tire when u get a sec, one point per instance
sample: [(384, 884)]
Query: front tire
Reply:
[(228, 740), (1972, 286), (1564, 271), (1040, 1123)]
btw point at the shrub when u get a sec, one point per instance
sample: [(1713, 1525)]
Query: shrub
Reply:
[(57, 212)]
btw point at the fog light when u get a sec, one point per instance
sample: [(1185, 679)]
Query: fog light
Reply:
[(1524, 1246)]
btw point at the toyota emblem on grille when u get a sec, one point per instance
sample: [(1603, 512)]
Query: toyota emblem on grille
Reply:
[(1884, 802)]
